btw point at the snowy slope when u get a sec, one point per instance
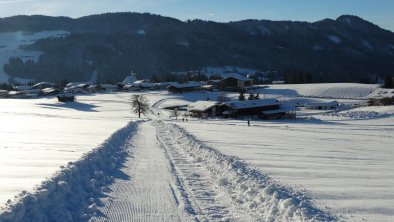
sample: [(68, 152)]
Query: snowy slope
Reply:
[(11, 41), (322, 90)]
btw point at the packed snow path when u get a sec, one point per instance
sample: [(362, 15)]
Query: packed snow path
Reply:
[(147, 195), (164, 185), (174, 178)]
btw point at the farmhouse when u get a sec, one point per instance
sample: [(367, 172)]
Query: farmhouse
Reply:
[(383, 97), (184, 87), (203, 109), (76, 87), (234, 81), (322, 105), (43, 85), (109, 87), (3, 93), (263, 108), (284, 111)]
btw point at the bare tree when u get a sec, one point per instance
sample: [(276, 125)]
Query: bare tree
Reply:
[(139, 104)]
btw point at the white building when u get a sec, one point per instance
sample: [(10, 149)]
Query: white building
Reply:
[(130, 79)]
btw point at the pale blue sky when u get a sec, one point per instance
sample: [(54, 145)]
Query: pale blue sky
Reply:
[(380, 12)]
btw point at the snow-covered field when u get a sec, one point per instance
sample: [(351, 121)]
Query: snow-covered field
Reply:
[(328, 165), (38, 136), (322, 90)]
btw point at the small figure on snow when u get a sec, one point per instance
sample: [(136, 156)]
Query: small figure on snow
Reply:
[(248, 123)]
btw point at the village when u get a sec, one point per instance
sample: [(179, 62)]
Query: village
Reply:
[(311, 126), (237, 97)]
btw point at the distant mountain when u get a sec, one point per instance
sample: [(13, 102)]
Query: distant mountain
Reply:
[(346, 49)]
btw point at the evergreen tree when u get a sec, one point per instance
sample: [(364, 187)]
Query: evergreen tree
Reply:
[(251, 96), (388, 82), (241, 96)]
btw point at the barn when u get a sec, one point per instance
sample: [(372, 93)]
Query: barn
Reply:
[(203, 109), (234, 82)]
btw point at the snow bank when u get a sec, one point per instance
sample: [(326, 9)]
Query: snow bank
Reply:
[(249, 189), (72, 194)]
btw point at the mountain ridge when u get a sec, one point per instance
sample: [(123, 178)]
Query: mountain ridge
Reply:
[(348, 48)]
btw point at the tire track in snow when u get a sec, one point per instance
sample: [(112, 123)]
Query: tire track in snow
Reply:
[(207, 202), (148, 195), (253, 196)]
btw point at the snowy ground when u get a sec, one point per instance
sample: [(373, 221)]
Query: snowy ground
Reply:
[(347, 164), (38, 136), (322, 90), (342, 160)]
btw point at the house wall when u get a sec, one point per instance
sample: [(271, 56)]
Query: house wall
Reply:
[(256, 111), (230, 82), (181, 90), (208, 113), (321, 107), (240, 83)]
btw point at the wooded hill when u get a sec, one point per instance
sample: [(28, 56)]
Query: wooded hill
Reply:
[(348, 49)]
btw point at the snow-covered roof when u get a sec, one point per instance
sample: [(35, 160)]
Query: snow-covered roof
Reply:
[(43, 84), (236, 76), (253, 103), (79, 84), (201, 105), (20, 88), (48, 90), (140, 81), (382, 93)]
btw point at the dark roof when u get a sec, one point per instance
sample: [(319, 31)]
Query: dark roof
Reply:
[(236, 76), (253, 103)]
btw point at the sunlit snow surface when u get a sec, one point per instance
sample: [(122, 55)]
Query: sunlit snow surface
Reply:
[(346, 163), (38, 136)]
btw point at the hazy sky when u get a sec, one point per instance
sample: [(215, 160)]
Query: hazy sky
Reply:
[(380, 12)]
